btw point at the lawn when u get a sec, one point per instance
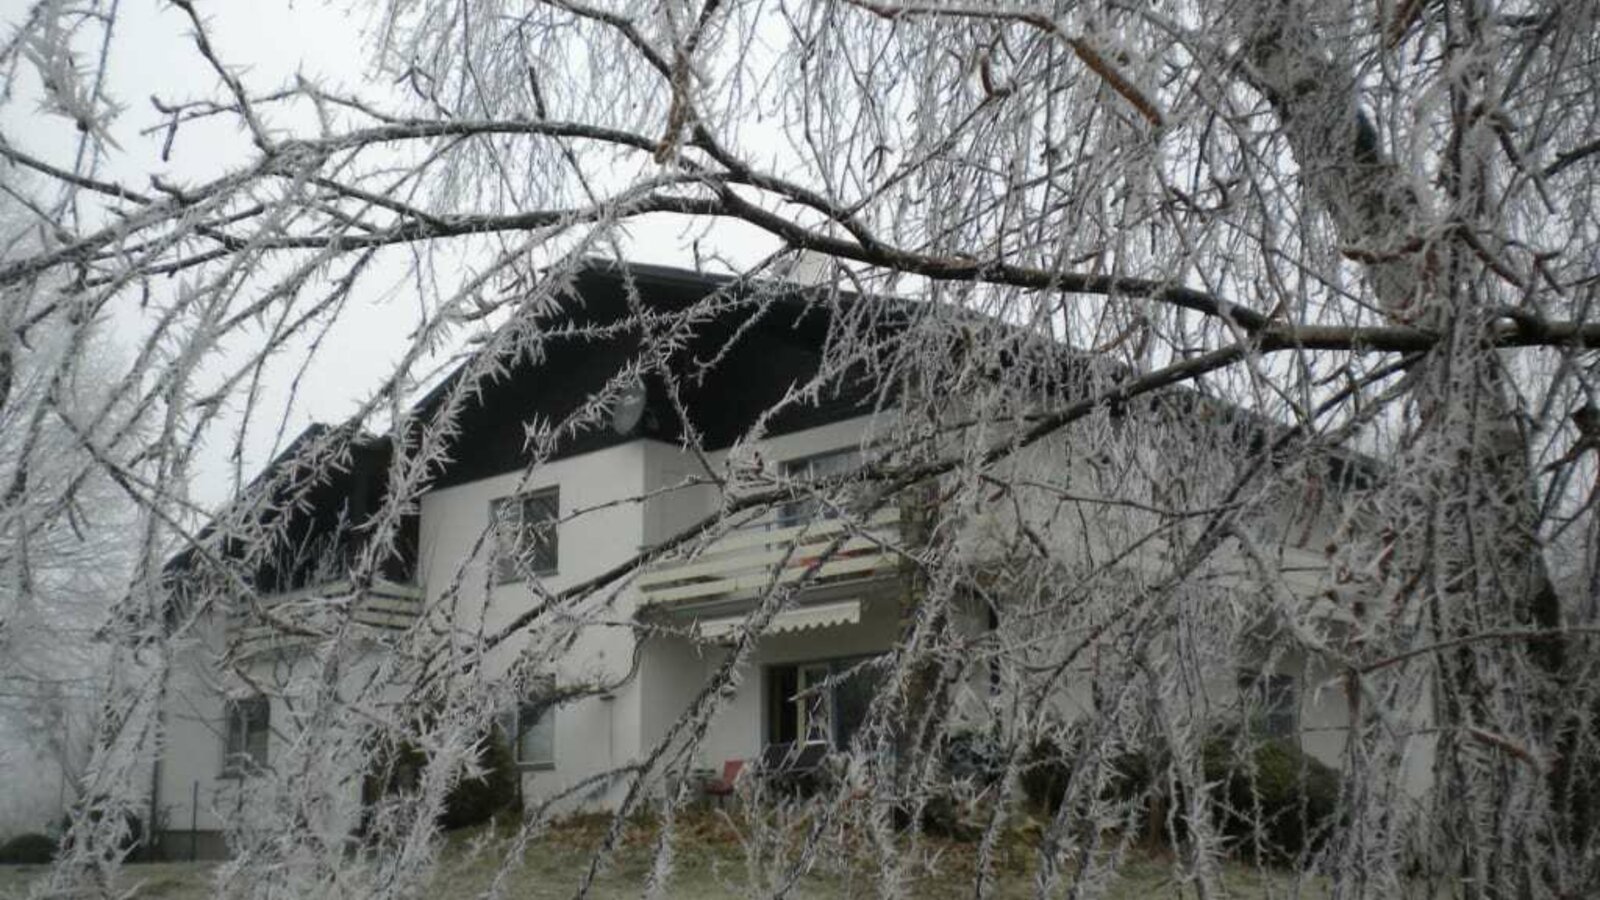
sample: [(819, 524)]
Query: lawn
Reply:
[(710, 864)]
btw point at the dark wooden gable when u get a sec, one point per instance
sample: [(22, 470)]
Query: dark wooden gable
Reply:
[(763, 345)]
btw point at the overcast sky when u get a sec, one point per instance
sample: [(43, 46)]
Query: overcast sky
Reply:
[(153, 54)]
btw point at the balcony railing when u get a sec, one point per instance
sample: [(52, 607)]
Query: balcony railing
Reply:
[(769, 551), (295, 619)]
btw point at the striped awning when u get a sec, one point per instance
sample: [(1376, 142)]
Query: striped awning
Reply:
[(804, 618)]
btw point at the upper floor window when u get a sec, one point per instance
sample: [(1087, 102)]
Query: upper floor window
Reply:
[(247, 726), (525, 534), (810, 469)]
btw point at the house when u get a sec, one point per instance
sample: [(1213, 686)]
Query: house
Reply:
[(611, 582)]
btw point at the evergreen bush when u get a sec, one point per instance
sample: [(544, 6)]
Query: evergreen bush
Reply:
[(27, 849)]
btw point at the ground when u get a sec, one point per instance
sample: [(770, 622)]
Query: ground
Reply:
[(711, 865)]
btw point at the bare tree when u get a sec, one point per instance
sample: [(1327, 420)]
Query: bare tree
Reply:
[(62, 571), (1149, 289), (62, 559)]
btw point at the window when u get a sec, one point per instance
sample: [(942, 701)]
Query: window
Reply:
[(245, 741), (1272, 701), (525, 535), (802, 706), (534, 729), (813, 468)]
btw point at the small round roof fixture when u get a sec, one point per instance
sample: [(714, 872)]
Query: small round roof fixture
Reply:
[(629, 408)]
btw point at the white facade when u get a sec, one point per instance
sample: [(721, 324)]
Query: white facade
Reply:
[(604, 524), (592, 734)]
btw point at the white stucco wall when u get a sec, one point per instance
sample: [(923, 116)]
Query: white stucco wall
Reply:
[(673, 503), (602, 525), (605, 522), (191, 762), (194, 794), (1325, 725)]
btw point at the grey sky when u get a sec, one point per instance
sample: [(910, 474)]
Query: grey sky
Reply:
[(153, 54)]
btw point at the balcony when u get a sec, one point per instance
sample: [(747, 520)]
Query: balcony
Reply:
[(299, 618), (768, 551)]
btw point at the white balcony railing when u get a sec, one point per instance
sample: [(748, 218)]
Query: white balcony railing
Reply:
[(767, 551), (296, 618)]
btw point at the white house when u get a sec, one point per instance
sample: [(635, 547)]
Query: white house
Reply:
[(492, 539)]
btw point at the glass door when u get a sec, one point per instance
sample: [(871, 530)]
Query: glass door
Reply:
[(814, 705)]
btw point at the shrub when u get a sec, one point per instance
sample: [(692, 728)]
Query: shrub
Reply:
[(973, 757), (396, 769), (969, 762), (393, 768), (473, 801), (1278, 792), (1274, 801), (27, 849), (1046, 769), (94, 811), (944, 816)]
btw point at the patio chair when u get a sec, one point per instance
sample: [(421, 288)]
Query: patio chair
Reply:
[(723, 787)]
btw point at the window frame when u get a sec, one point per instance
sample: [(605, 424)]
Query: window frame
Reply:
[(802, 470), (1272, 703), (817, 716), (239, 757), (827, 704), (538, 702), (506, 563)]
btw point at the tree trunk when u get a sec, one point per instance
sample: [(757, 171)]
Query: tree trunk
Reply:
[(1459, 506)]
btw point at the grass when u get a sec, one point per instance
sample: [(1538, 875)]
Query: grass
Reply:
[(172, 881), (710, 864)]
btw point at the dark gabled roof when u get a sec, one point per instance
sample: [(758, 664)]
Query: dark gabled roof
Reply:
[(764, 342), (317, 514), (764, 339)]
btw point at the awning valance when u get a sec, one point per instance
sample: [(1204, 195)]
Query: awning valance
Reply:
[(804, 618)]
